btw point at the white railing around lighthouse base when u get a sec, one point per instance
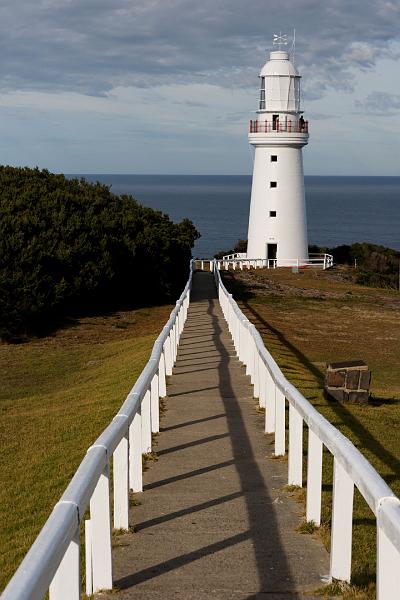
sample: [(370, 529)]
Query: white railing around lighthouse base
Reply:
[(239, 260), (53, 562), (350, 467)]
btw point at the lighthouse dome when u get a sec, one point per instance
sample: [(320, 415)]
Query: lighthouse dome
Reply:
[(280, 85), (279, 64)]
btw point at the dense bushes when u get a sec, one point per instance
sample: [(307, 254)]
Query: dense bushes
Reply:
[(377, 266), (68, 246), (240, 246)]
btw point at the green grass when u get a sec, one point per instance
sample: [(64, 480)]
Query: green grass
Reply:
[(307, 527), (56, 396), (311, 318)]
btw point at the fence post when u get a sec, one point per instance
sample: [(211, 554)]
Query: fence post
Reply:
[(161, 376), (388, 557), (176, 333), (256, 391), (270, 405), (155, 405), (175, 339), (121, 484), (235, 331), (177, 330), (262, 370), (135, 451), (146, 423), (388, 576), (314, 478), (295, 472), (100, 517), (88, 557), (240, 349), (237, 334), (181, 319), (252, 362), (342, 521), (227, 314), (178, 320), (280, 441), (66, 584), (249, 357), (172, 338), (168, 357), (244, 344)]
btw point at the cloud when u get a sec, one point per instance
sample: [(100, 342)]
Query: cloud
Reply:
[(94, 46), (380, 104), (362, 54)]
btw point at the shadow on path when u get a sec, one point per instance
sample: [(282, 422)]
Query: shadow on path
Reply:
[(271, 566)]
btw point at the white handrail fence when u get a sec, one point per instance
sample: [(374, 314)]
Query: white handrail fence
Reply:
[(321, 261), (53, 561), (350, 467)]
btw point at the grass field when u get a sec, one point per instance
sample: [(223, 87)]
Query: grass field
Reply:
[(313, 317), (56, 395)]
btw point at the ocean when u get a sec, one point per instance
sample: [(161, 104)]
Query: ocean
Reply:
[(340, 210)]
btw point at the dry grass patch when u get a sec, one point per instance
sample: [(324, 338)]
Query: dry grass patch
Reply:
[(56, 396), (307, 527)]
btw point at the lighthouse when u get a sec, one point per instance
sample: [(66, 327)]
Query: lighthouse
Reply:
[(277, 221)]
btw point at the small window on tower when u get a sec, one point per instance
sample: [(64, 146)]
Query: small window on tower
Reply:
[(274, 158), (273, 184), (272, 213)]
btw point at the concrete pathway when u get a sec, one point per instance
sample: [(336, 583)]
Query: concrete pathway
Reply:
[(214, 520)]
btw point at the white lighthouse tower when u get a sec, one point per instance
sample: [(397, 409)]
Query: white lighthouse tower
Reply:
[(277, 221)]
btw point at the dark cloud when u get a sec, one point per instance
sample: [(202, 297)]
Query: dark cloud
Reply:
[(380, 104), (91, 46)]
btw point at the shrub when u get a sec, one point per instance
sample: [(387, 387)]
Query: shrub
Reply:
[(240, 246), (69, 246), (377, 266)]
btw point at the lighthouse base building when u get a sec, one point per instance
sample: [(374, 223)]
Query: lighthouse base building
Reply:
[(277, 222)]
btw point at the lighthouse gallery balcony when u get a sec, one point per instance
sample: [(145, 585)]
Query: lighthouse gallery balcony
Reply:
[(288, 126), (278, 132)]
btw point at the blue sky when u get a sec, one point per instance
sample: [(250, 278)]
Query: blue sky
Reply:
[(168, 86)]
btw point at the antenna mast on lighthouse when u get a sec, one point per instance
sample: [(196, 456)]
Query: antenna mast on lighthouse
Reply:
[(293, 53)]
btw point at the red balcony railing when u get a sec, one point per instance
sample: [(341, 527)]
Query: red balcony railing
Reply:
[(277, 126)]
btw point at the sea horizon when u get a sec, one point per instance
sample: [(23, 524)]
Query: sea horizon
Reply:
[(341, 209), (211, 175)]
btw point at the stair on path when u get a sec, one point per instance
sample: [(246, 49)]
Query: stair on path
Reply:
[(215, 521)]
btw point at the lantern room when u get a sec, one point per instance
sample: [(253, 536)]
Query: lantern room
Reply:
[(280, 85)]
